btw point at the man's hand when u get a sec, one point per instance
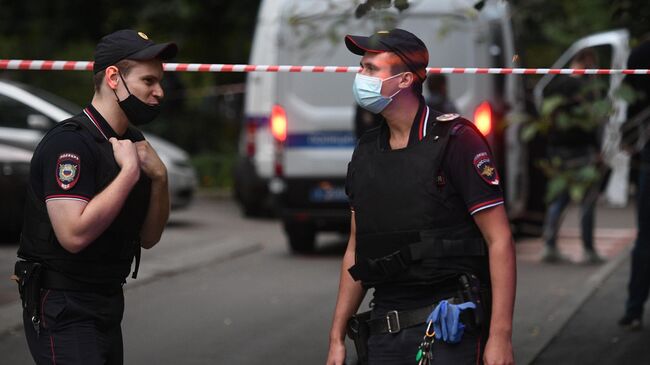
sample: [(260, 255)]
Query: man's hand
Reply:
[(125, 154), (336, 355), (150, 163), (498, 351)]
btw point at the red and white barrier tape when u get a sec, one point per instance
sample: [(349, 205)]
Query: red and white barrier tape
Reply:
[(207, 67)]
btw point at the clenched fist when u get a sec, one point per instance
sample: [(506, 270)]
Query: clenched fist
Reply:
[(125, 153), (150, 163)]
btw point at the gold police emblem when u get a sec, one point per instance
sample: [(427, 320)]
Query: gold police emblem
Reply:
[(447, 117), (143, 36), (487, 171)]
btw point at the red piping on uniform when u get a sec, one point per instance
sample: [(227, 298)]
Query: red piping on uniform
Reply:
[(43, 306), (66, 196), (52, 350), (481, 205), (92, 119), (421, 129)]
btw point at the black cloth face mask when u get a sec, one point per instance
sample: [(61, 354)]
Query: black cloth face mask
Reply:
[(137, 111)]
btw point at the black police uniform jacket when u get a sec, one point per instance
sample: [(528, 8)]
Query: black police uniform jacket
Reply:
[(398, 213), (107, 260)]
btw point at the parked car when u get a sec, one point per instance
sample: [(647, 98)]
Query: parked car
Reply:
[(14, 174), (298, 137), (27, 112)]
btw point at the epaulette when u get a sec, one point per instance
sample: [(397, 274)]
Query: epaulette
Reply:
[(70, 125)]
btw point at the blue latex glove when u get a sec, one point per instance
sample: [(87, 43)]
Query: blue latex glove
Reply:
[(446, 323)]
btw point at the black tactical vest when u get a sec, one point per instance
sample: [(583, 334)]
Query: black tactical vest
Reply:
[(106, 261), (399, 209)]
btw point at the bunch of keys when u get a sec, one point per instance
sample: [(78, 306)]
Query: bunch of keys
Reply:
[(425, 351)]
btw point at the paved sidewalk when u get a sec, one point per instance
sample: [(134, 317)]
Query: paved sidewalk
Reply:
[(549, 295), (592, 336)]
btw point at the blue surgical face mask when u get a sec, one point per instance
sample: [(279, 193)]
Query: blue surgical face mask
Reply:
[(367, 93)]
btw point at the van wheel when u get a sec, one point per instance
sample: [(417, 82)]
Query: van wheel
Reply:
[(302, 237)]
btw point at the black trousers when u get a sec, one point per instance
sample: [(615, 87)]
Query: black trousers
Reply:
[(77, 328), (400, 348), (639, 284)]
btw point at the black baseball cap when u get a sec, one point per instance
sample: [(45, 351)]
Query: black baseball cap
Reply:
[(130, 44), (408, 47)]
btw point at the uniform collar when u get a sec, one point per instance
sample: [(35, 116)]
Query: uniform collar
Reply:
[(100, 123), (418, 128)]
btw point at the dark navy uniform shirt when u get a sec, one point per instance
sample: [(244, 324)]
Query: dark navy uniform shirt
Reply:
[(65, 166)]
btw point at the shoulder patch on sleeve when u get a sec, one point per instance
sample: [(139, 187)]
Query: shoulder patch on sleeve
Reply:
[(485, 168), (68, 169)]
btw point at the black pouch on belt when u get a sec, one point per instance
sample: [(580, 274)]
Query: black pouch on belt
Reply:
[(29, 287), (359, 332), (471, 292)]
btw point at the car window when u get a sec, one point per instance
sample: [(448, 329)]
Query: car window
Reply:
[(58, 101), (14, 114)]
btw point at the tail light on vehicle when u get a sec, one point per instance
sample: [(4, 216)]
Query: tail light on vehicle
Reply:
[(279, 132), (279, 123), (483, 118)]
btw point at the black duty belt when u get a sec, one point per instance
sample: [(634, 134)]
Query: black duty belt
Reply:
[(395, 321), (56, 280)]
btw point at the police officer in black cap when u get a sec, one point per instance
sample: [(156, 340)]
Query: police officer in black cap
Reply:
[(98, 193), (428, 225)]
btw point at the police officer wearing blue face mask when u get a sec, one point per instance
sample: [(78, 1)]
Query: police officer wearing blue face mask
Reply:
[(98, 193), (428, 225)]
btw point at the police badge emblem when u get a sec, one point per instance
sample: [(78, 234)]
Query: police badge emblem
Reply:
[(486, 169), (67, 170)]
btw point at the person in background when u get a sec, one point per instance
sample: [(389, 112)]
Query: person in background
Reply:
[(574, 147), (438, 98), (639, 283)]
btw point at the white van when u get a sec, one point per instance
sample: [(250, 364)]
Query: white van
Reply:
[(298, 137)]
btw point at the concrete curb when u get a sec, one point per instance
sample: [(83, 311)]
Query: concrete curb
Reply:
[(11, 314), (564, 314)]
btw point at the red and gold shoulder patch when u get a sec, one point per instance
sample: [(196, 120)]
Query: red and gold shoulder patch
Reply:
[(485, 168), (68, 168)]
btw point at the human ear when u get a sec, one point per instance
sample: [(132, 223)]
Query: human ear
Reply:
[(112, 77), (407, 80)]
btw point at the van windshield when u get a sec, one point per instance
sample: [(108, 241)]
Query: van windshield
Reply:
[(449, 40)]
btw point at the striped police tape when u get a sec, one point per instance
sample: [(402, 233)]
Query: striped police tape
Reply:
[(49, 65)]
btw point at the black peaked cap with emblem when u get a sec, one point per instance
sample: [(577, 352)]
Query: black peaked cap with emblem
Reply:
[(406, 45), (130, 44)]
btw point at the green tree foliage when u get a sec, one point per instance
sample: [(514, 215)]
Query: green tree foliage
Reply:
[(208, 31)]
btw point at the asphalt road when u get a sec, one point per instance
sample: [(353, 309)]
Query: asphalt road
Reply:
[(221, 289)]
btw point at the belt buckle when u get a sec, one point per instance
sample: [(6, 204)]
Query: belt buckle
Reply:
[(395, 315)]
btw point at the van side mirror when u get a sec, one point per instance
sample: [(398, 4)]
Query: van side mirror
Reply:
[(38, 121)]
